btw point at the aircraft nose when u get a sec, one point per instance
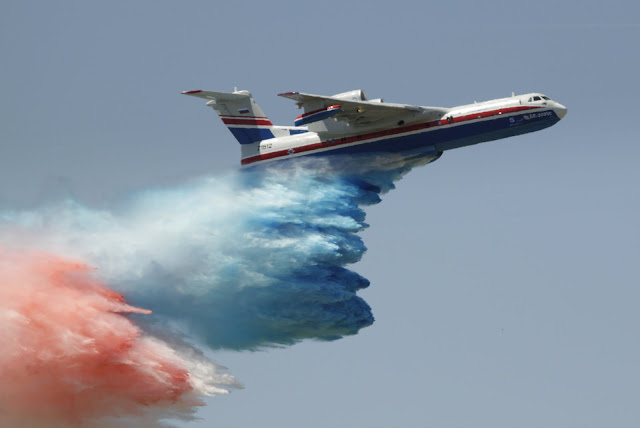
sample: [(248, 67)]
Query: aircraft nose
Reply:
[(560, 110)]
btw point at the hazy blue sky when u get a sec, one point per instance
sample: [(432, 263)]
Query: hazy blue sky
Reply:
[(504, 277)]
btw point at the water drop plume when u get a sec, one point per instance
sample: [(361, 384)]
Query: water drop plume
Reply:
[(71, 357), (249, 259)]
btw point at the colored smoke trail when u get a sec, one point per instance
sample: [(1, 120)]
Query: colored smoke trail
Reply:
[(241, 261), (250, 259), (70, 357)]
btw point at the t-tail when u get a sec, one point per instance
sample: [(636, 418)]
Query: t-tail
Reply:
[(243, 116)]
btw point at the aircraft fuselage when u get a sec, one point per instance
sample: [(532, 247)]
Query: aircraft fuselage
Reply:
[(348, 123), (460, 126)]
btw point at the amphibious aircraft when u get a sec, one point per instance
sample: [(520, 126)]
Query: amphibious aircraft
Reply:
[(349, 123)]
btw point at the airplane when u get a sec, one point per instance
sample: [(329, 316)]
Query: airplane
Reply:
[(348, 123)]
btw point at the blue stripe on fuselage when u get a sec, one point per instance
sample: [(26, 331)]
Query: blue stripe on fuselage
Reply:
[(251, 135), (450, 137)]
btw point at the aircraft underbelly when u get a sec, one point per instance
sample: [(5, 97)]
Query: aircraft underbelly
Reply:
[(480, 132), (434, 137)]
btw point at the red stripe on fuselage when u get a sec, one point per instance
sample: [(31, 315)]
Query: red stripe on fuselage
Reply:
[(247, 121), (225, 116), (335, 142)]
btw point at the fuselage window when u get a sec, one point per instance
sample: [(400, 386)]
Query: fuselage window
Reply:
[(537, 98)]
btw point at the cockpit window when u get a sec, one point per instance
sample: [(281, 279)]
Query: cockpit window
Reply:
[(539, 98)]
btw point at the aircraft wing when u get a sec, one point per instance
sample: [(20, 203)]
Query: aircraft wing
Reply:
[(357, 112)]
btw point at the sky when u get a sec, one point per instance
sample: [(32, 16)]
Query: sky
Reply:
[(504, 277)]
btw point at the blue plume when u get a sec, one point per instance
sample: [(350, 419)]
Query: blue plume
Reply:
[(254, 258)]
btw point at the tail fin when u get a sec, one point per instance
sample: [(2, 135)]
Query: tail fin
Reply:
[(244, 118)]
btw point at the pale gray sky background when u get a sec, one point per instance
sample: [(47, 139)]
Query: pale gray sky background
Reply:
[(504, 277)]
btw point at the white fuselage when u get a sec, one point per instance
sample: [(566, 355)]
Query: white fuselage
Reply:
[(459, 126)]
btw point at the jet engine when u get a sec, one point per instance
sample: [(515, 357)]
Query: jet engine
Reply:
[(355, 95)]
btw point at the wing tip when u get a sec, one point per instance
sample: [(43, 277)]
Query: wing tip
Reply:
[(292, 95)]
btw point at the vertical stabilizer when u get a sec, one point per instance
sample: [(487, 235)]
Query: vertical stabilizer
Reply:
[(242, 115)]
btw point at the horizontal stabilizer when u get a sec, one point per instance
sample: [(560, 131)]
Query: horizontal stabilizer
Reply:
[(218, 96)]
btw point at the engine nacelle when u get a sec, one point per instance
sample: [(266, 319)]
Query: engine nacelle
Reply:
[(316, 115), (355, 95)]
